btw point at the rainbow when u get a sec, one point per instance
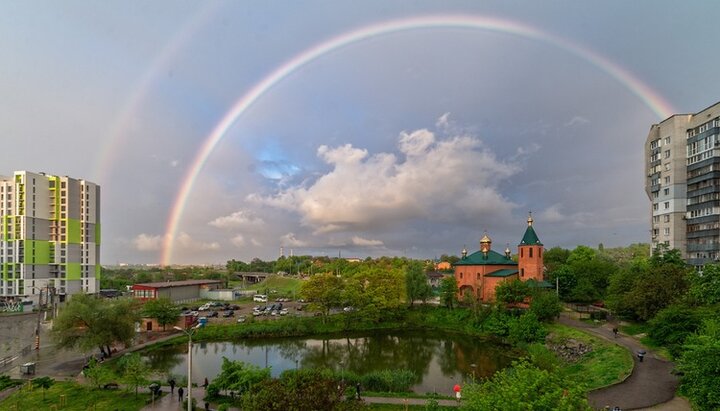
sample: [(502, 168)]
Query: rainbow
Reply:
[(648, 96)]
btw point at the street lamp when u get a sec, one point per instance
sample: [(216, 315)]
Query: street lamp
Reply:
[(189, 332)]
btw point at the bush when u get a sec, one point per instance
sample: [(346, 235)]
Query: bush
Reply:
[(526, 329), (546, 305), (672, 326), (542, 358)]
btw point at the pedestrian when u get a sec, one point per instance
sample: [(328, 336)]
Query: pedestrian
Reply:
[(457, 389), (207, 406), (615, 331), (205, 384), (172, 385), (357, 391), (180, 394)]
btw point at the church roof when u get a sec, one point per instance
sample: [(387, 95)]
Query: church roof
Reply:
[(479, 258), (530, 238), (507, 272), (539, 284)]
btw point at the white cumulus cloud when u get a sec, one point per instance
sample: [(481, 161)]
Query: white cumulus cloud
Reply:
[(238, 241), (148, 242), (185, 241), (241, 218), (448, 179), (290, 240), (365, 242)]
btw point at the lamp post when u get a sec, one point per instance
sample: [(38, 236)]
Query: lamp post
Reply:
[(189, 332)]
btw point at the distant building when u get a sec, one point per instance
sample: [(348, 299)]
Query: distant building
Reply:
[(176, 291), (480, 272), (434, 278), (49, 236), (443, 265), (682, 170)]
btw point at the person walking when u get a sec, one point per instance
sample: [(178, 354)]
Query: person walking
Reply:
[(172, 385), (206, 383), (357, 391), (180, 393)]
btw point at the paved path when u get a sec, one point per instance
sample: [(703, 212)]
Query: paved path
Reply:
[(651, 382)]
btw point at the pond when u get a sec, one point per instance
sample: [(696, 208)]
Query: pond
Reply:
[(438, 359)]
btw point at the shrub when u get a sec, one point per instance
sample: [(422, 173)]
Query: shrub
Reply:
[(546, 305), (672, 326), (526, 329)]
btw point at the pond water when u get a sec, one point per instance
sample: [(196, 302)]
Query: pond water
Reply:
[(438, 359)]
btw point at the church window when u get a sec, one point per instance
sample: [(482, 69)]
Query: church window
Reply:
[(539, 252), (522, 272), (521, 252), (478, 276), (461, 275), (530, 251)]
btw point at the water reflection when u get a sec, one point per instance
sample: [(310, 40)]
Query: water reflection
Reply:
[(437, 361)]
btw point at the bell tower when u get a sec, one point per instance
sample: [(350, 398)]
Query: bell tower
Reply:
[(530, 254)]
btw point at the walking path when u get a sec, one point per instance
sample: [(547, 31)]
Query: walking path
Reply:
[(651, 382)]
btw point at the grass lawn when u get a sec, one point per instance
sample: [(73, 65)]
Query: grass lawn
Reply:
[(606, 364), (287, 286), (77, 397), (396, 407)]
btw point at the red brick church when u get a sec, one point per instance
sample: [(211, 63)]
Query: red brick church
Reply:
[(480, 272)]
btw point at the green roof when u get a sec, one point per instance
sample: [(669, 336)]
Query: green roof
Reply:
[(539, 284), (530, 238), (492, 258), (507, 272)]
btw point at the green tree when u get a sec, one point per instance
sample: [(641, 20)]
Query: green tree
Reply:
[(546, 305), (671, 326), (163, 310), (237, 376), (555, 257), (524, 387), (526, 329), (448, 291), (512, 292), (87, 322), (375, 291), (97, 374), (299, 390), (656, 289), (323, 291), (416, 283), (44, 383), (705, 286), (700, 380), (135, 371)]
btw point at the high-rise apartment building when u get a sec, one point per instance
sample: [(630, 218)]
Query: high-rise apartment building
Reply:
[(682, 164), (49, 236)]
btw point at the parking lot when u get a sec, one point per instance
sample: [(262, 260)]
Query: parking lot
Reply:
[(220, 312)]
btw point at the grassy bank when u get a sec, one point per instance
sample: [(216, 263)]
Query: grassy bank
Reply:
[(606, 364), (76, 398)]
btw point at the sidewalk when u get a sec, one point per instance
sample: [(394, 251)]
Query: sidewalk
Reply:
[(650, 384)]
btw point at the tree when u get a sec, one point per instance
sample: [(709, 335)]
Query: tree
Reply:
[(87, 322), (656, 289), (238, 377), (44, 383), (705, 286), (526, 329), (448, 291), (671, 326), (524, 387), (299, 390), (546, 305), (375, 291), (416, 283), (97, 374), (699, 361), (555, 257), (323, 291), (163, 310), (134, 371), (512, 292)]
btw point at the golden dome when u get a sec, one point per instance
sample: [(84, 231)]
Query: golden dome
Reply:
[(485, 239), (530, 219)]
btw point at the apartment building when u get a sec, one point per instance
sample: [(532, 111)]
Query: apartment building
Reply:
[(49, 236), (682, 159)]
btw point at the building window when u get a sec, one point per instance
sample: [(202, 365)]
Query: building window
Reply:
[(655, 207), (667, 153), (666, 191), (530, 252), (656, 219), (522, 272), (666, 205), (667, 180), (667, 140), (667, 167), (478, 276), (667, 231), (666, 218), (461, 275)]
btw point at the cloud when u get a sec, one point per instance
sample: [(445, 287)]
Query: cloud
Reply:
[(443, 122), (577, 121), (448, 179), (241, 218), (238, 241), (147, 242), (185, 241), (255, 242), (365, 242), (290, 240)]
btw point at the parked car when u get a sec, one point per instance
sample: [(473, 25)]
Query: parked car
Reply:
[(228, 313), (212, 314), (349, 309), (241, 319)]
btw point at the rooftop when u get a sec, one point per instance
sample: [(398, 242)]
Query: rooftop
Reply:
[(167, 284)]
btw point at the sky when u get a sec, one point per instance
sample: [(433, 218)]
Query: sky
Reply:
[(228, 129)]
